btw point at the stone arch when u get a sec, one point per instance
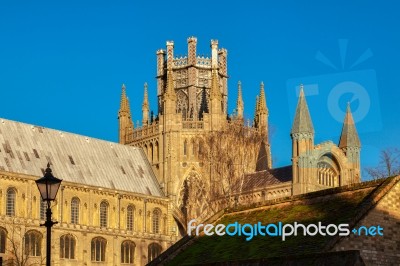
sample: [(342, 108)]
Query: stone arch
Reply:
[(329, 170), (67, 246), (11, 200), (156, 220), (193, 198), (3, 239)]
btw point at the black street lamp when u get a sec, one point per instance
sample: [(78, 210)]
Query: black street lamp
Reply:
[(48, 187)]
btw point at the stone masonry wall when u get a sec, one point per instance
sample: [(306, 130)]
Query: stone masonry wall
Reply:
[(379, 250)]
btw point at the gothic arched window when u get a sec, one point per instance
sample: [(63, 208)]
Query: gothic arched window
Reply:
[(129, 217), (182, 103), (75, 210), (328, 171), (127, 252), (98, 247), (67, 247), (10, 203), (103, 214), (156, 221), (33, 243), (3, 237), (202, 100), (154, 251)]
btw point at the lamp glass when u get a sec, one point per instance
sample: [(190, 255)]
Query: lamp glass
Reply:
[(48, 187)]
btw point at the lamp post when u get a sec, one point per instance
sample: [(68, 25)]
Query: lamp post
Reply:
[(48, 187)]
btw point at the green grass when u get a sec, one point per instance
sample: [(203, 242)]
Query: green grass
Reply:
[(337, 209)]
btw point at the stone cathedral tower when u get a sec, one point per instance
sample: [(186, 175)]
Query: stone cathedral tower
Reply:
[(192, 94), (325, 165)]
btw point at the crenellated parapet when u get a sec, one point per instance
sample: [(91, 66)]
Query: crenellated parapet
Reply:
[(146, 131), (203, 62), (180, 62)]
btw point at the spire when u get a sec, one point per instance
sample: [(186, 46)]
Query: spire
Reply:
[(124, 117), (124, 106), (215, 92), (145, 106), (145, 97), (349, 136), (170, 92), (257, 100), (256, 110), (129, 113), (262, 102), (302, 121), (239, 102)]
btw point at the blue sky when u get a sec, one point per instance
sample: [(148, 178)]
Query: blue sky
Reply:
[(62, 64)]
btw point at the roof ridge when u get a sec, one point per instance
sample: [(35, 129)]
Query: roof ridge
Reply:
[(62, 131), (307, 196)]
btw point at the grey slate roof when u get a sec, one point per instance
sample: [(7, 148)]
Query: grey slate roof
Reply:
[(349, 136), (262, 179), (26, 149), (302, 121)]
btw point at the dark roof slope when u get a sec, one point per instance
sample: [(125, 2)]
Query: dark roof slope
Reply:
[(261, 179), (338, 205)]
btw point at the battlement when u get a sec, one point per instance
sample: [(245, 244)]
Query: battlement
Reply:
[(222, 51), (192, 39), (143, 132), (203, 61), (192, 58), (180, 61)]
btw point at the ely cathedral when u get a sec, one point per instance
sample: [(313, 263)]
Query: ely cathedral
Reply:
[(192, 94), (126, 202)]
